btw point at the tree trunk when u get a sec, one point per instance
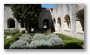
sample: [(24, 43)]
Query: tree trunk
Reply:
[(28, 28)]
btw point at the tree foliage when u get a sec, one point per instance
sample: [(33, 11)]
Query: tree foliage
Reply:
[(26, 12)]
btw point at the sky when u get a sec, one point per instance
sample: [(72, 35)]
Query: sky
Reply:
[(48, 5)]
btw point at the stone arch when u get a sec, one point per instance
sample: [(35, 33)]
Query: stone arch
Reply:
[(67, 19), (80, 16), (11, 23), (59, 20), (45, 23)]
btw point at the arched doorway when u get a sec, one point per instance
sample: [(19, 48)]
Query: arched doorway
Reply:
[(80, 16), (59, 20), (10, 23), (45, 23), (67, 20)]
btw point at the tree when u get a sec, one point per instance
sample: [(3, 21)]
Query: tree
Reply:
[(27, 13)]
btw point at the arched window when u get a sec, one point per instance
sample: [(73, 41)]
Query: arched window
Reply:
[(80, 16), (10, 23), (67, 20), (59, 20), (45, 23)]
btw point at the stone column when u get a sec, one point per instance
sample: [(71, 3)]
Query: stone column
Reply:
[(16, 24), (73, 9)]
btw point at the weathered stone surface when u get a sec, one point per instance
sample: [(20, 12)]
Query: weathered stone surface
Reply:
[(74, 28)]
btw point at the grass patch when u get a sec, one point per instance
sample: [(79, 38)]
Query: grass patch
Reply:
[(7, 42), (70, 42), (11, 32)]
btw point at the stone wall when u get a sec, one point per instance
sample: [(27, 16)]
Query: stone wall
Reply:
[(8, 15), (45, 14), (74, 28)]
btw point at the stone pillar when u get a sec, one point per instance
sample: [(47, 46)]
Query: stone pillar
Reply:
[(16, 24), (5, 24), (73, 9)]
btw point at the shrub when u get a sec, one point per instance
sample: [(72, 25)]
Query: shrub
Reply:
[(70, 42), (50, 41), (69, 39), (56, 41), (14, 31), (8, 41), (26, 37), (11, 32), (38, 37), (64, 37), (19, 44), (7, 32), (38, 43), (50, 36)]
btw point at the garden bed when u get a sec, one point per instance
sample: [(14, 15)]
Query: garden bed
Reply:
[(48, 41), (71, 43), (7, 42)]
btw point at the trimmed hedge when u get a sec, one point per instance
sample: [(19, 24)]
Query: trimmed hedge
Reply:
[(15, 31), (71, 43), (7, 32), (11, 32)]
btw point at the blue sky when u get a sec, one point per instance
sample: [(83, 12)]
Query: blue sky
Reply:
[(48, 5)]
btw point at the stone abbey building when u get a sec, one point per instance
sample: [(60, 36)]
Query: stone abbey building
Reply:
[(63, 18)]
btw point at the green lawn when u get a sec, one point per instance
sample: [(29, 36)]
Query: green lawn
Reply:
[(71, 42)]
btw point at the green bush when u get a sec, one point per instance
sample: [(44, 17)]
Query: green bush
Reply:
[(19, 44), (14, 31), (7, 42), (69, 39), (7, 32), (37, 43), (50, 41), (26, 37), (38, 37), (70, 42), (11, 32), (56, 41), (50, 36)]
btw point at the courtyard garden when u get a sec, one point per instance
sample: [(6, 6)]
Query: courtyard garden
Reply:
[(14, 39)]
